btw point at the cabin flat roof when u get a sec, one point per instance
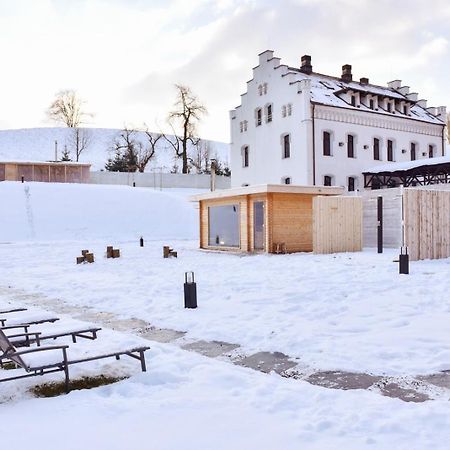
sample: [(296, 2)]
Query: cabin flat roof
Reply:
[(46, 163), (269, 188)]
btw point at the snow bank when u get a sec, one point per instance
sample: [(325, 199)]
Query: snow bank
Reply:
[(43, 211)]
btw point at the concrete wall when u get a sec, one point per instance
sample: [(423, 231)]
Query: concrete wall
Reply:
[(159, 180)]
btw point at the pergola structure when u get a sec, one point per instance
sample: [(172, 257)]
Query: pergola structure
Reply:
[(415, 173)]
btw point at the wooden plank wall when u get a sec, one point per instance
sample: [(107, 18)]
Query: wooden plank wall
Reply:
[(392, 217), (337, 224), (427, 223), (291, 222)]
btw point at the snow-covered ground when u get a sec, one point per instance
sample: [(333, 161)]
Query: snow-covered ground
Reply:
[(38, 144), (345, 312)]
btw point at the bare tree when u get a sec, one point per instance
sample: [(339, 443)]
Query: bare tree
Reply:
[(201, 156), (79, 140), (67, 108), (131, 154), (184, 117)]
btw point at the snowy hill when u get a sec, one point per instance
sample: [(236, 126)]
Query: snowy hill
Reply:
[(38, 144), (47, 211)]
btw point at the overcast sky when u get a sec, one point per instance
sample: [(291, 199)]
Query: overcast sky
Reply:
[(123, 56)]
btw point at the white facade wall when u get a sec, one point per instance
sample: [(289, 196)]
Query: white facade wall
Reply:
[(307, 165), (366, 126)]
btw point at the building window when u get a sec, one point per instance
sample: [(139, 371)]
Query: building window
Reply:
[(405, 109), (287, 146), (245, 125), (283, 111), (241, 126), (327, 179), (376, 149), (289, 109), (351, 184), (286, 180), (260, 90), (371, 104), (430, 151), (353, 100), (245, 156), (223, 226), (389, 107), (326, 143), (413, 151), (269, 113), (390, 150), (265, 88), (350, 146), (258, 114)]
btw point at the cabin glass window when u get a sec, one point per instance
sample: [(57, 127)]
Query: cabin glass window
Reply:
[(223, 226)]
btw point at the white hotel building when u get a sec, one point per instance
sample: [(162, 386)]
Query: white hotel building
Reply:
[(296, 126)]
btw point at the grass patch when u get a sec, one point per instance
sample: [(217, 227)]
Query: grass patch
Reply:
[(8, 366), (55, 389)]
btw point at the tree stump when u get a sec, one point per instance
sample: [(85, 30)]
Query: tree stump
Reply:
[(80, 259), (89, 257), (109, 251), (116, 253)]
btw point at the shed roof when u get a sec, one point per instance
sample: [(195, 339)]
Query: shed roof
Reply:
[(269, 188), (46, 163)]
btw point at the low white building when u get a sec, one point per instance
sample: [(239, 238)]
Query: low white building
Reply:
[(296, 126)]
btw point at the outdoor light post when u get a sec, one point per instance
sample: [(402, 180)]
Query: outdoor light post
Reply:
[(403, 261), (190, 290), (141, 241)]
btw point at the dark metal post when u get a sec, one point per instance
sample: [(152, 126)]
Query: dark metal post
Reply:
[(380, 224), (134, 184), (141, 241), (190, 290), (404, 261), (23, 179)]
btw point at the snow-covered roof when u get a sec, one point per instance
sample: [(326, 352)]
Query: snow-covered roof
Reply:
[(325, 90), (407, 165), (265, 188)]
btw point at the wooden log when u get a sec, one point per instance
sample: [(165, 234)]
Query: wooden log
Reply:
[(166, 251), (80, 259), (116, 253), (84, 252), (89, 257), (109, 251), (174, 254)]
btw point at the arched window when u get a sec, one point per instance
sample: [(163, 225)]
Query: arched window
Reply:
[(390, 150), (413, 151), (326, 143), (376, 149), (431, 151), (286, 143), (351, 184), (269, 113), (245, 156), (258, 116), (350, 146), (327, 180)]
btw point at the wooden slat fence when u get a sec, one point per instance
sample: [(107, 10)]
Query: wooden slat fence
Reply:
[(337, 224)]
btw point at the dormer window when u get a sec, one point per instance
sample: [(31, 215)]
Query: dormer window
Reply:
[(371, 104), (353, 100), (389, 107), (431, 151)]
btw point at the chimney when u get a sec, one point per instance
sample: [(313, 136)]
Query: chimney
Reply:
[(395, 84), (346, 73), (364, 81), (306, 66)]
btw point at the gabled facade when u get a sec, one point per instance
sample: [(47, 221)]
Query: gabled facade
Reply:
[(296, 126)]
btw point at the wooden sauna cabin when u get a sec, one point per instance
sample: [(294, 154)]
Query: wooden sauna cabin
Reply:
[(280, 219)]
